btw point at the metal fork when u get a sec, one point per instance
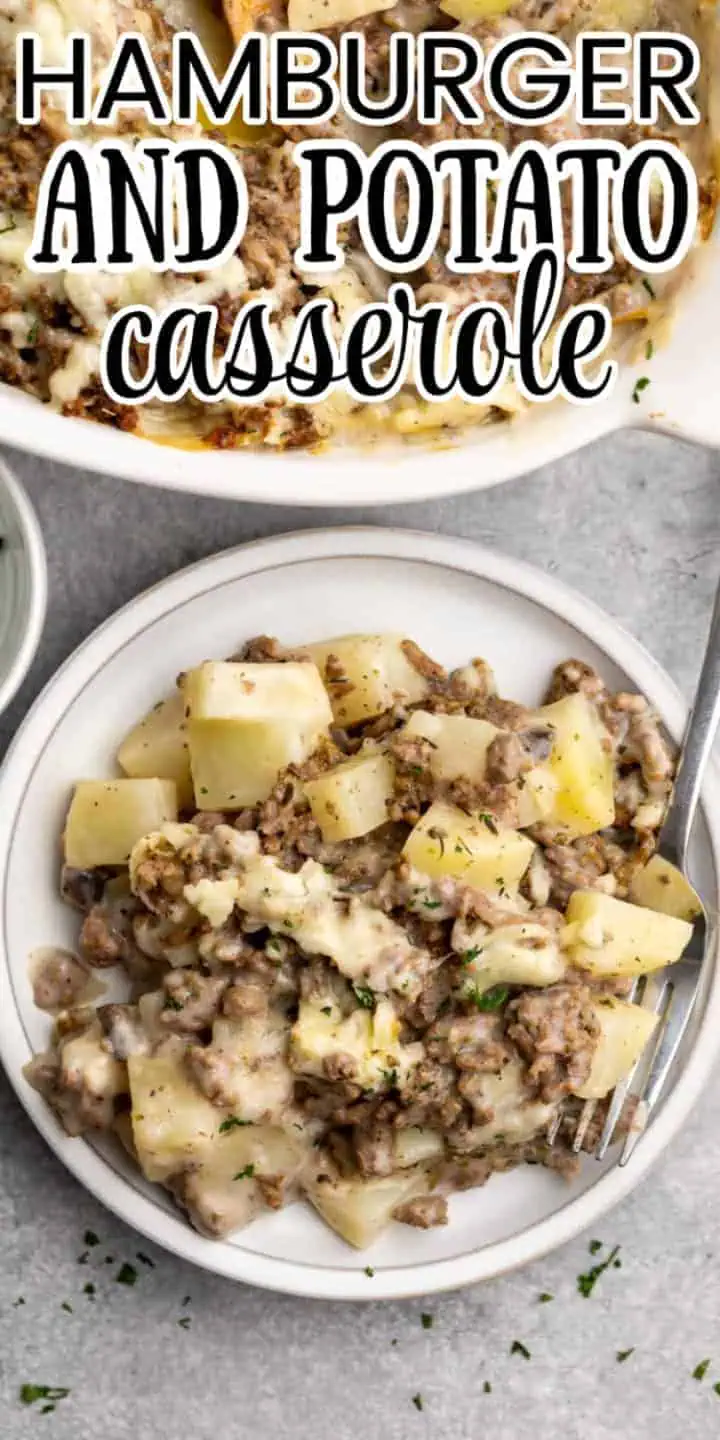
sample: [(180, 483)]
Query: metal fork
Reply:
[(675, 995)]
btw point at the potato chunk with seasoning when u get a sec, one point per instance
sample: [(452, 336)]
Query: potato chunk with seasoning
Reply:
[(472, 848), (612, 937), (107, 817), (158, 746), (581, 761), (352, 799), (624, 1032), (365, 674), (360, 1209), (246, 723), (661, 886)]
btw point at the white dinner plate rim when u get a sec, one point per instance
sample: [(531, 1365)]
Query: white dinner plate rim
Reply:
[(323, 1281)]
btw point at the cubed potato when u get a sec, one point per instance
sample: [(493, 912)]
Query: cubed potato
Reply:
[(158, 746), (417, 1145), (661, 886), (359, 1210), (323, 14), (222, 1192), (537, 797), (524, 954), (352, 799), (107, 817), (373, 669), (246, 723), (173, 1123), (232, 690), (446, 841), (581, 761), (459, 743), (370, 1038), (516, 1117), (624, 1032), (613, 937)]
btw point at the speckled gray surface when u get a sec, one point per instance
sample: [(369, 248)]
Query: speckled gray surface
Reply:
[(635, 523)]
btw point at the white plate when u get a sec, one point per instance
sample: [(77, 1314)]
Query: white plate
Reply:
[(457, 600)]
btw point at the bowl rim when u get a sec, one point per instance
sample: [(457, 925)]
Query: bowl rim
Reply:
[(33, 550), (307, 1279)]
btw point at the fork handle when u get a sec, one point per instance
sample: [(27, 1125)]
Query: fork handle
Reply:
[(696, 747)]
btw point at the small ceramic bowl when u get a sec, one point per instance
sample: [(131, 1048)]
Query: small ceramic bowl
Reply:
[(23, 585)]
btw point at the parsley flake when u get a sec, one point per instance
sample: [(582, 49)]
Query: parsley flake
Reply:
[(145, 1260), (29, 1394), (427, 1321), (701, 1370), (468, 956), (640, 385), (66, 1306), (586, 1283), (490, 821), (90, 1238), (716, 1387), (89, 1290), (231, 1123), (517, 1348), (127, 1274), (184, 1322), (369, 1271), (492, 999), (623, 1355), (545, 1298), (246, 1174), (418, 1401), (595, 1246), (10, 226), (648, 287), (364, 996), (487, 1387), (649, 350)]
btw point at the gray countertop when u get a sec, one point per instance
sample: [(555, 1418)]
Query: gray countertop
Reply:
[(634, 523)]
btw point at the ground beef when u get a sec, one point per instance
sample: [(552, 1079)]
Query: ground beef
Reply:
[(374, 1149), (105, 937), (272, 233), (555, 1031), (424, 1212), (572, 677), (506, 760), (94, 404), (192, 1000)]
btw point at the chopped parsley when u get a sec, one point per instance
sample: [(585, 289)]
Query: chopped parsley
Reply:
[(640, 385), (231, 1123), (127, 1274), (648, 287), (492, 999), (545, 1298), (184, 1322), (30, 1394), (83, 1259), (170, 1003), (369, 1271), (246, 1174), (145, 1260), (586, 1283), (623, 1355), (90, 1238), (33, 333), (517, 1348), (20, 1301), (364, 996), (487, 1387), (66, 1306), (649, 352), (390, 1077), (701, 1370), (595, 1246), (490, 821), (186, 1300), (10, 226), (432, 904), (89, 1290), (716, 1387), (418, 1401), (427, 1321), (327, 1009), (468, 956)]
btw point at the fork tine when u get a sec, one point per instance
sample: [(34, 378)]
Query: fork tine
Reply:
[(621, 1091), (675, 1022), (586, 1115)]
